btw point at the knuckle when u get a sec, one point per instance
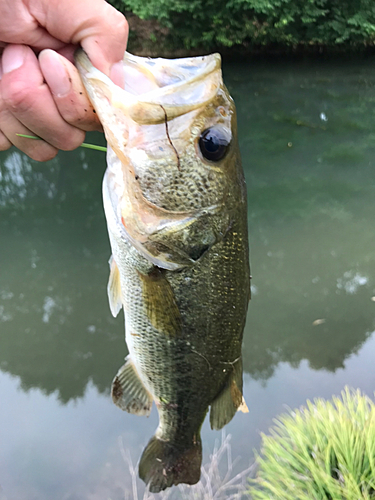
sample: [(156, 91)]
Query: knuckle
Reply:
[(42, 153), (17, 97), (78, 114), (120, 24), (72, 140), (4, 143)]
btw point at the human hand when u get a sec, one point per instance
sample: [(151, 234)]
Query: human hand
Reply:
[(44, 95)]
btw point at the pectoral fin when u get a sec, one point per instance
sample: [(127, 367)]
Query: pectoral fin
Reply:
[(114, 288), (128, 391), (229, 400), (160, 303)]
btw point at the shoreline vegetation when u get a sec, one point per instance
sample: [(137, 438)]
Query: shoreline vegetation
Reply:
[(179, 28), (323, 450)]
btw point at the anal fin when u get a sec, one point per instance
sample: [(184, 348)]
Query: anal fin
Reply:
[(128, 391), (114, 288), (229, 400)]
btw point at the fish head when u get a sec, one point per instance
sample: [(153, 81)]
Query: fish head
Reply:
[(174, 175)]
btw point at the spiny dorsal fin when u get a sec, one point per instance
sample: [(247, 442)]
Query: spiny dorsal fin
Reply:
[(229, 400), (128, 391), (114, 288)]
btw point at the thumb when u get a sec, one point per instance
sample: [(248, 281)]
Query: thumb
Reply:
[(105, 43), (97, 26)]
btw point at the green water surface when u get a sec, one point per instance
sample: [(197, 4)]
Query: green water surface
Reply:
[(307, 137)]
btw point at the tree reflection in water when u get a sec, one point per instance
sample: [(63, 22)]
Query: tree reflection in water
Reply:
[(312, 257), (309, 165)]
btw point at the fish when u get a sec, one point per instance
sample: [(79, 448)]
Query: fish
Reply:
[(175, 202)]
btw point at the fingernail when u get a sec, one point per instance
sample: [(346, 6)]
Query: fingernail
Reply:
[(55, 73), (13, 58), (117, 74)]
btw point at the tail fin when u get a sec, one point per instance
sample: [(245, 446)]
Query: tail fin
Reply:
[(163, 465)]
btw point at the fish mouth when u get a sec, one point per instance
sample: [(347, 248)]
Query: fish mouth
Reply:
[(155, 89)]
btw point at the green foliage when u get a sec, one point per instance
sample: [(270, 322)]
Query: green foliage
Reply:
[(324, 451), (212, 23)]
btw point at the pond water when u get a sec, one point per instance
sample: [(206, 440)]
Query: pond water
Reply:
[(307, 137)]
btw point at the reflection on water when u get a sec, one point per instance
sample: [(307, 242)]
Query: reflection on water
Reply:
[(311, 183), (57, 332), (310, 143)]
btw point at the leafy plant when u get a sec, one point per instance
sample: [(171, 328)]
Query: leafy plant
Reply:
[(324, 451)]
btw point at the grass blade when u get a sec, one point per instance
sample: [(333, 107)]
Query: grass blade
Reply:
[(83, 145)]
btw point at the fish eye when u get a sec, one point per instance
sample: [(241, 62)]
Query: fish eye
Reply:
[(214, 143)]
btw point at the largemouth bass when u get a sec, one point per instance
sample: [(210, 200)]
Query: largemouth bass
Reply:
[(175, 203)]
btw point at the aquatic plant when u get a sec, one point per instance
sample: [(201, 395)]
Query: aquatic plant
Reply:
[(218, 479), (323, 451)]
